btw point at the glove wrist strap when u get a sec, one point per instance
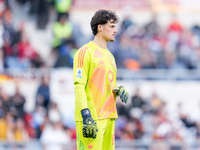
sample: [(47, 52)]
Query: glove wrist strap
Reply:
[(85, 113)]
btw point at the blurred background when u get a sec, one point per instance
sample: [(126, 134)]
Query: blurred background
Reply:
[(157, 51)]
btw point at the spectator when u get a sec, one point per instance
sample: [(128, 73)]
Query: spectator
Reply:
[(127, 19), (174, 31), (43, 13), (29, 125), (155, 102), (54, 112), (163, 127), (62, 7), (171, 61), (10, 58), (59, 139), (20, 30), (62, 32), (8, 49), (5, 98), (128, 132), (9, 31), (18, 101), (137, 101), (43, 93), (27, 55), (175, 25), (9, 129), (137, 130), (38, 120), (63, 41), (45, 123), (66, 55), (152, 28), (20, 134), (147, 58), (187, 121), (186, 50)]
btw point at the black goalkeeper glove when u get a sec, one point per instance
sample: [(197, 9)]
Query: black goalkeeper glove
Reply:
[(89, 125), (120, 91)]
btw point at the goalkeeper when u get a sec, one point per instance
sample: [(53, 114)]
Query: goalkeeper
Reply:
[(94, 74)]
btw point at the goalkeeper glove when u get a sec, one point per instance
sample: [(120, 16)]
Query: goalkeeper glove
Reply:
[(120, 91), (89, 125)]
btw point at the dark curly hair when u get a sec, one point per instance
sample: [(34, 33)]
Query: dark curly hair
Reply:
[(102, 17)]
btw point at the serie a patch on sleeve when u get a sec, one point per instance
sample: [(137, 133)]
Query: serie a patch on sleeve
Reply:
[(79, 73)]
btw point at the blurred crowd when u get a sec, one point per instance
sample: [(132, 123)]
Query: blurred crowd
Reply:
[(147, 46), (149, 119), (45, 123), (16, 50), (152, 46), (144, 118)]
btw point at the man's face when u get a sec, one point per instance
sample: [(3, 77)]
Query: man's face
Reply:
[(109, 31)]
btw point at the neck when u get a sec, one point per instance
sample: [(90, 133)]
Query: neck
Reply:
[(98, 40)]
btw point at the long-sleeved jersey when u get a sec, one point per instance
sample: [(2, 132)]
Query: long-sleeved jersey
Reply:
[(95, 70)]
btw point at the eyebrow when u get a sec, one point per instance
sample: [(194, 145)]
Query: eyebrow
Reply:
[(113, 25)]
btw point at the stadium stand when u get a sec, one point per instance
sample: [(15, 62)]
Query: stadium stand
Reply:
[(158, 64)]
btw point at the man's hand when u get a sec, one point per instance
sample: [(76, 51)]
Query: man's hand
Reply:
[(89, 125), (120, 91)]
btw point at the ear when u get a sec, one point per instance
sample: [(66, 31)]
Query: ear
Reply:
[(100, 27)]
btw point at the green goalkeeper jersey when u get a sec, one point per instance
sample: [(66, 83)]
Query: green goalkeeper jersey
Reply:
[(95, 68)]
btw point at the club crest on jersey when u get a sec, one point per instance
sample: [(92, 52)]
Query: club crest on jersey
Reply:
[(79, 73)]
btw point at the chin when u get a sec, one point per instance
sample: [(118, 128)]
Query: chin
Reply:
[(112, 40)]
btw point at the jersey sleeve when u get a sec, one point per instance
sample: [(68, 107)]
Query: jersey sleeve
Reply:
[(81, 66), (80, 96)]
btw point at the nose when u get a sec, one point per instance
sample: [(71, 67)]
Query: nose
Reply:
[(115, 30)]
